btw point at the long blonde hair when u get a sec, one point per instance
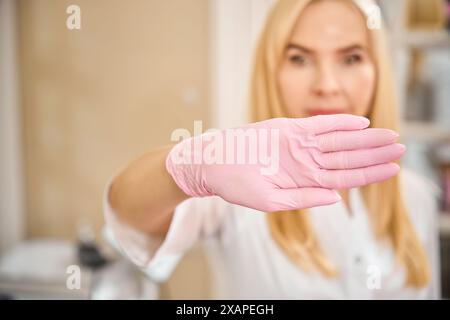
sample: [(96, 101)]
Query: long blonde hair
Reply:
[(292, 230)]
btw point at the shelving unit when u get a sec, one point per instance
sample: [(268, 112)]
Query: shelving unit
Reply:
[(421, 134)]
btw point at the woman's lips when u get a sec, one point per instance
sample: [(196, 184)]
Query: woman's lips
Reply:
[(327, 111)]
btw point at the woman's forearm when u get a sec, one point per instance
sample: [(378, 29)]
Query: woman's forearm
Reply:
[(144, 195)]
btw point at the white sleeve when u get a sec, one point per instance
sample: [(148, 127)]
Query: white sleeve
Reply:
[(194, 219)]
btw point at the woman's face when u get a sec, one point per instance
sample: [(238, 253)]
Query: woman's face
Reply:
[(327, 67)]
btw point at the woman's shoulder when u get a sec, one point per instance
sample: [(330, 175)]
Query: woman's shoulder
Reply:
[(417, 187), (421, 196)]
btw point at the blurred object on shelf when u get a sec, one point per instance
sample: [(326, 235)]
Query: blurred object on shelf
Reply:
[(112, 279), (429, 72), (422, 16), (427, 15), (447, 14), (436, 73), (89, 254), (444, 223), (445, 263), (418, 102), (429, 99), (441, 157)]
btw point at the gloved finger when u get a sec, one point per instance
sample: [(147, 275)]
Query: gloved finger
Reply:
[(298, 198), (351, 178), (357, 139), (327, 123), (359, 158)]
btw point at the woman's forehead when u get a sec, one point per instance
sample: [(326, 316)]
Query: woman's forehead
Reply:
[(330, 25)]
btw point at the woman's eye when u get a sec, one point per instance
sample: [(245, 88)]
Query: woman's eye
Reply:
[(353, 59), (300, 60)]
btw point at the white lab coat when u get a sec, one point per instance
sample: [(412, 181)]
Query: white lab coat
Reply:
[(246, 263)]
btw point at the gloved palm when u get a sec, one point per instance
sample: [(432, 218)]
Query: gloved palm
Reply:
[(306, 160)]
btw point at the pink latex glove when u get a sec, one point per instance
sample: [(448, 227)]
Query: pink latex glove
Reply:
[(315, 156)]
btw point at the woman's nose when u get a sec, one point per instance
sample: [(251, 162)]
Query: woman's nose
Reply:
[(325, 82)]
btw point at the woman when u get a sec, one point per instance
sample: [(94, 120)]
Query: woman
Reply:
[(287, 234)]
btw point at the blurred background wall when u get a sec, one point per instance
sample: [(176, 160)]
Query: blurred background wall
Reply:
[(92, 99)]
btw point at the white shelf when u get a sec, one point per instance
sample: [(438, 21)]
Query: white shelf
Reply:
[(444, 223), (423, 131), (426, 39)]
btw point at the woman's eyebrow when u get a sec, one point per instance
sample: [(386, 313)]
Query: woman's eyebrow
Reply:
[(345, 49), (298, 47), (352, 48)]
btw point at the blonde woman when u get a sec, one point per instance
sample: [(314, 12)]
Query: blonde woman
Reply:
[(334, 218)]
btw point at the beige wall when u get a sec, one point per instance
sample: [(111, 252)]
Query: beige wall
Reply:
[(93, 99), (97, 97)]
